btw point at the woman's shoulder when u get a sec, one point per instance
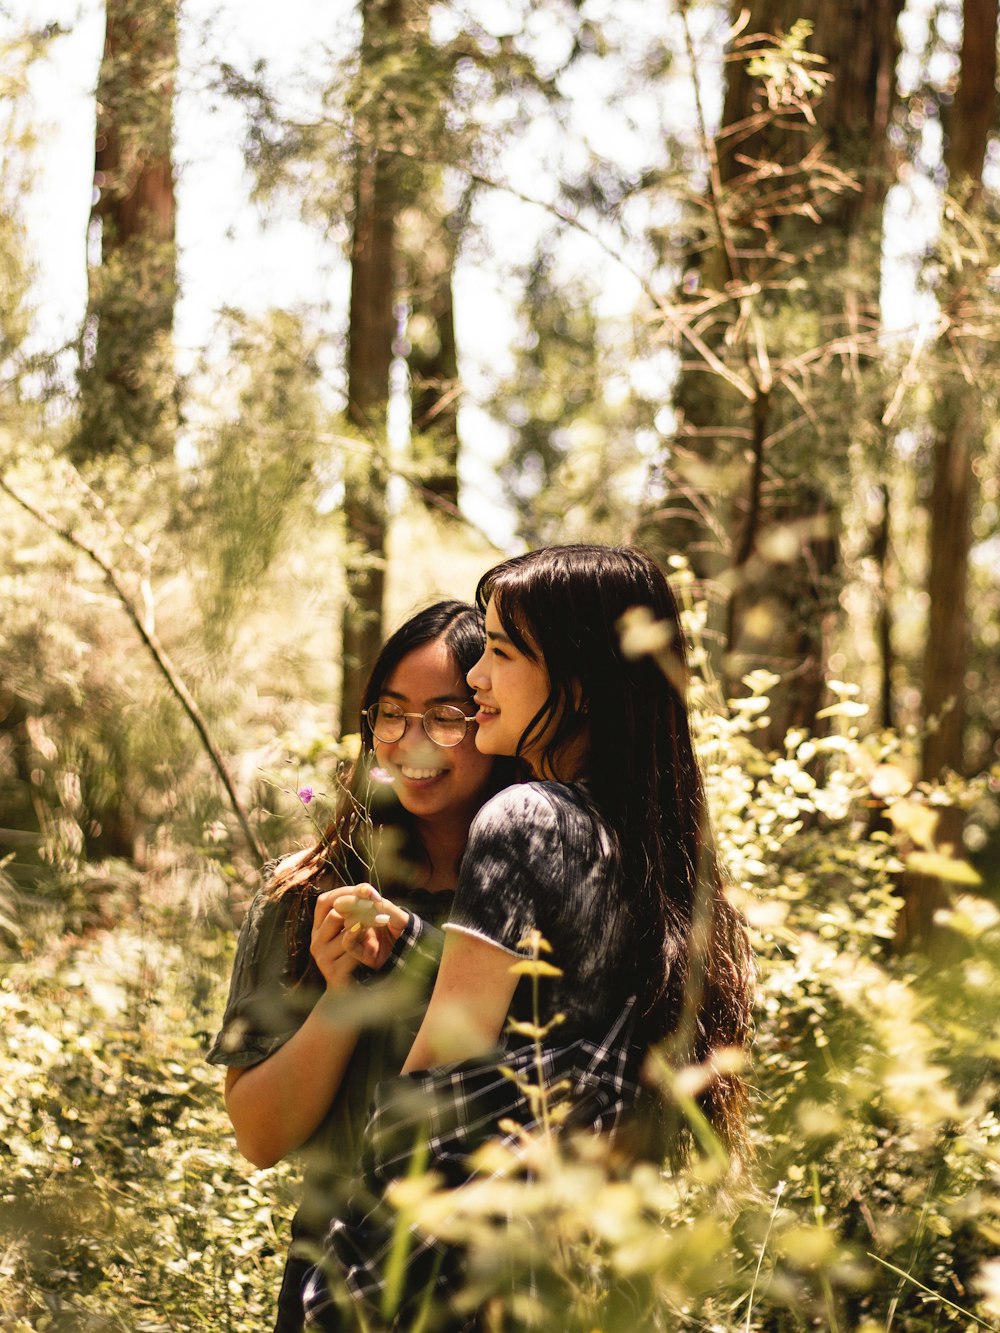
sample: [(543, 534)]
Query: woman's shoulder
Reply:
[(265, 917), (530, 799), (560, 807)]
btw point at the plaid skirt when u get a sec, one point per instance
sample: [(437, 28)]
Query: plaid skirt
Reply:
[(433, 1121)]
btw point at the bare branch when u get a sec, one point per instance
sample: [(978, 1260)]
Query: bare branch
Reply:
[(143, 626)]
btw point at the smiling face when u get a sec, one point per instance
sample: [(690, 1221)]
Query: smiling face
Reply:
[(510, 689), (432, 782)]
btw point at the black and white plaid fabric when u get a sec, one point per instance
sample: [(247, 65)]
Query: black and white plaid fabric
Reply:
[(454, 1110)]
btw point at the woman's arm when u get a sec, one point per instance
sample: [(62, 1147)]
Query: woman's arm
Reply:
[(274, 1106), (469, 1004)]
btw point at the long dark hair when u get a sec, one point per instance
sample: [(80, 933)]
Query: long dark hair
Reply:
[(345, 847), (563, 605)]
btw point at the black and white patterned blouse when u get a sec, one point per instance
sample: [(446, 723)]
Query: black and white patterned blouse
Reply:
[(538, 858)]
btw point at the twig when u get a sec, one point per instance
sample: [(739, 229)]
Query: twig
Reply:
[(159, 655), (763, 1249), (908, 1277)]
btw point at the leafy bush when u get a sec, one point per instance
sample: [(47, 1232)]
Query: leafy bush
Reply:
[(124, 1204), (872, 1200)]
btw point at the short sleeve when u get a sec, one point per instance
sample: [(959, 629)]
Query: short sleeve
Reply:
[(513, 859), (262, 1011)]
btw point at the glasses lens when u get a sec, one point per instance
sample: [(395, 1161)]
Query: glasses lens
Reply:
[(445, 725), (387, 723)]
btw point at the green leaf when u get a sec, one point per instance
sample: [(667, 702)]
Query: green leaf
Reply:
[(943, 867), (535, 967)]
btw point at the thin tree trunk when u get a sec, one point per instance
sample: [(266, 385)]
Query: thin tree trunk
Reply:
[(882, 554)]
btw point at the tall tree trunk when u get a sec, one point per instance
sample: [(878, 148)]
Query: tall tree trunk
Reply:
[(881, 549), (959, 426), (433, 352), (958, 439), (371, 337), (128, 399), (761, 467)]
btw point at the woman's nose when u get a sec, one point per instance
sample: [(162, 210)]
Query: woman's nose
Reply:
[(414, 739), (476, 676)]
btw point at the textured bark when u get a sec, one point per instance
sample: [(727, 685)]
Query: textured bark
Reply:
[(858, 40), (371, 337), (433, 357), (759, 469), (127, 383), (959, 425), (972, 115)]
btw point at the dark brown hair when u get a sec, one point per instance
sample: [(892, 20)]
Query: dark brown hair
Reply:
[(563, 605)]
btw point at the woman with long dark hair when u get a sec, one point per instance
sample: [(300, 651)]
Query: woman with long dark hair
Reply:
[(606, 854), (302, 1047)]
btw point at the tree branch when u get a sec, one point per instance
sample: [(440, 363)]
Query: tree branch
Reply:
[(159, 655)]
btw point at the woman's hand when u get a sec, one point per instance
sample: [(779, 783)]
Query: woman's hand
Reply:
[(328, 942), (373, 924), (353, 925)]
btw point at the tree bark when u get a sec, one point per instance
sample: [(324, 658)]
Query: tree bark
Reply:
[(959, 426), (958, 439), (433, 359), (763, 471), (370, 349), (128, 400)]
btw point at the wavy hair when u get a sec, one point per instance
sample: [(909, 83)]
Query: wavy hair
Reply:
[(563, 606)]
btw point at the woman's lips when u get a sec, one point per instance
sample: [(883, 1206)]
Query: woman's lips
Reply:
[(412, 774)]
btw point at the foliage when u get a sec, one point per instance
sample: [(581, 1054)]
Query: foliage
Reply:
[(574, 468), (257, 460), (123, 1203), (871, 1201)]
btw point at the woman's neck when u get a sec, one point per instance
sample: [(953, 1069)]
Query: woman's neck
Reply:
[(567, 764), (444, 843)]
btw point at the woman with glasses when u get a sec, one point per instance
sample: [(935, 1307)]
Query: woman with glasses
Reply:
[(606, 854), (301, 1037)]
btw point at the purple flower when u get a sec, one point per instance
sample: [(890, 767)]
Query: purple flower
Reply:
[(306, 794)]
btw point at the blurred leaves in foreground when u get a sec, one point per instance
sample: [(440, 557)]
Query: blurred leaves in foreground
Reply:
[(872, 1202)]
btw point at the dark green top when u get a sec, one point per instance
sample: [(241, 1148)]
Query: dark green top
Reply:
[(265, 1008)]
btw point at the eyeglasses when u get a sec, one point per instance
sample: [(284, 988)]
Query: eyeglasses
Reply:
[(444, 724)]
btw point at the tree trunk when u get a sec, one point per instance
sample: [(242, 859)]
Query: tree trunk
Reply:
[(881, 548), (128, 399), (370, 348), (762, 471), (959, 426), (958, 438), (433, 354)]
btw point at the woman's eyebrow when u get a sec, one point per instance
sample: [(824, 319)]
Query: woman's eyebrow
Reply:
[(454, 697), (497, 637)]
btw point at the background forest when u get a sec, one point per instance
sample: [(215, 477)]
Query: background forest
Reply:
[(720, 279)]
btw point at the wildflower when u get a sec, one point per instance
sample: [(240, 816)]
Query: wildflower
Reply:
[(306, 794)]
